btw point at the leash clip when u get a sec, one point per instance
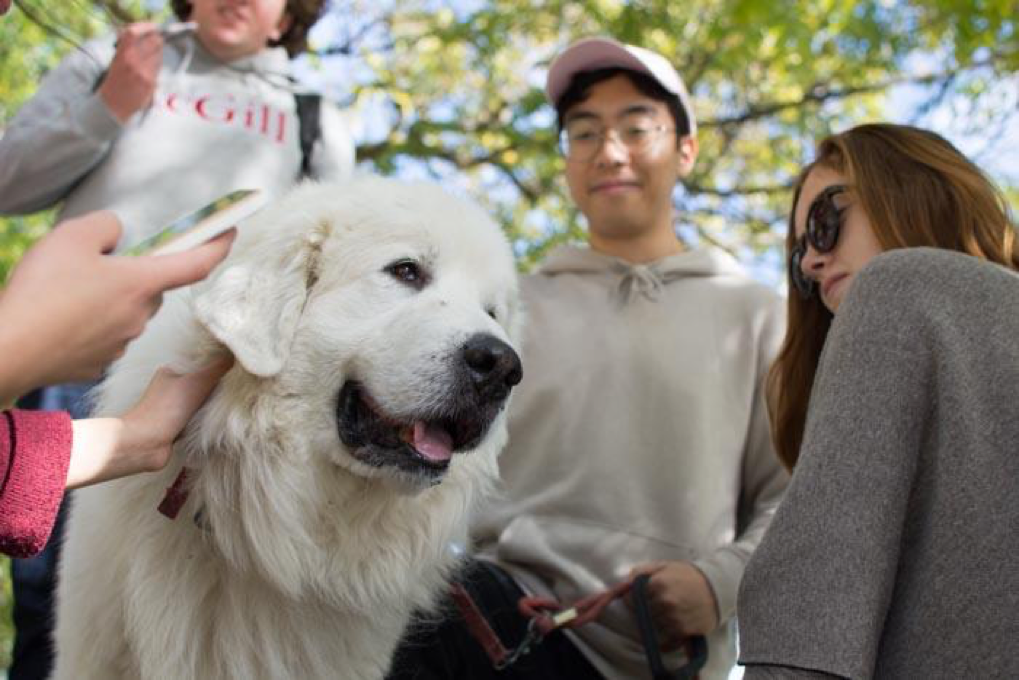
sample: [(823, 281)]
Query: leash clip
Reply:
[(532, 638)]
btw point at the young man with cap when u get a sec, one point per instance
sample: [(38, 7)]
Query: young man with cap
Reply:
[(639, 438)]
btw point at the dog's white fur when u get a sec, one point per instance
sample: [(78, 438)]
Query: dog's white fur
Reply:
[(303, 562)]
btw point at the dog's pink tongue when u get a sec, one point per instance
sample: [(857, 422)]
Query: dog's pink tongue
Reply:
[(432, 442)]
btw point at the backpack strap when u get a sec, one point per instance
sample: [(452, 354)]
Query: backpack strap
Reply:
[(309, 107)]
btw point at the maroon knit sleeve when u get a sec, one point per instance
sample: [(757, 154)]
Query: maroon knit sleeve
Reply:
[(35, 451)]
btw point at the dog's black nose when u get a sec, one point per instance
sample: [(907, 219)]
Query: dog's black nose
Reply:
[(493, 366)]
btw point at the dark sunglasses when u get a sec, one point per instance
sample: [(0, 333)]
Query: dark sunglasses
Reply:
[(824, 220)]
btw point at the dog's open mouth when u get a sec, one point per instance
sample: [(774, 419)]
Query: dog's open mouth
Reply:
[(417, 445)]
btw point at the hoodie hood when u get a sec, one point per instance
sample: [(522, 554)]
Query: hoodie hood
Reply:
[(271, 62), (185, 52), (644, 279)]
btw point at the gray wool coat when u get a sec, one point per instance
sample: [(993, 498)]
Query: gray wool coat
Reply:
[(895, 553)]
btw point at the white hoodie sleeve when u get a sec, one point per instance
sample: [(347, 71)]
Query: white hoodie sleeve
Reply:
[(57, 137)]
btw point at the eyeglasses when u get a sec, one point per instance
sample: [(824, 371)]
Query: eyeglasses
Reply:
[(824, 220), (580, 140)]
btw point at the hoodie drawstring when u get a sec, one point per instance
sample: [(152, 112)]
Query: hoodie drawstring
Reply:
[(640, 279)]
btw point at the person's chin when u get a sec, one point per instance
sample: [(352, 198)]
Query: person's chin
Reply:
[(228, 46), (227, 37), (616, 226), (833, 298), (626, 202)]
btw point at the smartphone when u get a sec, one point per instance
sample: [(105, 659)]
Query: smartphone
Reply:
[(203, 224), (177, 28), (171, 31)]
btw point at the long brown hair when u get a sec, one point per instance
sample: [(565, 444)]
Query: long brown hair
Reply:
[(303, 15), (916, 190)]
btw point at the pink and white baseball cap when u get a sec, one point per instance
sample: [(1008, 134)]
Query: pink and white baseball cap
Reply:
[(591, 54)]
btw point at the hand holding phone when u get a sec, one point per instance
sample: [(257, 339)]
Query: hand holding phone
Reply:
[(69, 308), (203, 224)]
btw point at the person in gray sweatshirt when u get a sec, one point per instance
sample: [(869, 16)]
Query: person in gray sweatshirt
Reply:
[(896, 398), (153, 128), (639, 437)]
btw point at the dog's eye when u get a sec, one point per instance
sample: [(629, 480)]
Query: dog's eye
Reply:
[(491, 312), (408, 272)]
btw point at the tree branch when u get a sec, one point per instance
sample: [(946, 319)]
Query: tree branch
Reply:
[(349, 46), (737, 190), (820, 94)]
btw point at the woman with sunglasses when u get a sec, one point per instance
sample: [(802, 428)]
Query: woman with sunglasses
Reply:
[(896, 398)]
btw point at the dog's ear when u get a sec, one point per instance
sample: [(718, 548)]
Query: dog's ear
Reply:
[(253, 305)]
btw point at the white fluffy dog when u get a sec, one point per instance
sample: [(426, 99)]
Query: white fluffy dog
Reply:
[(372, 325)]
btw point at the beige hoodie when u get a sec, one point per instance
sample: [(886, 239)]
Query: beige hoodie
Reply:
[(639, 433)]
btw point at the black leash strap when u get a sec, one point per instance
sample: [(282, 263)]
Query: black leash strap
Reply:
[(696, 646)]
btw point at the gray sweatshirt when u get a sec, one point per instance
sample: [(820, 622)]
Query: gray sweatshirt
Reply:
[(894, 554), (639, 433), (212, 128)]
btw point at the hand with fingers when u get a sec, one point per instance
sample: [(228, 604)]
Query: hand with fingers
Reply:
[(70, 308), (130, 81), (142, 439), (681, 600)]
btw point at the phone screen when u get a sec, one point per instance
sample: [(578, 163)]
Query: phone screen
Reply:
[(201, 225)]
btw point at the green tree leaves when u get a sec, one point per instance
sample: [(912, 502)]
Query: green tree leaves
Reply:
[(453, 90)]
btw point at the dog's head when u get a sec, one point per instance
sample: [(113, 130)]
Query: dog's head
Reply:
[(374, 326), (381, 316)]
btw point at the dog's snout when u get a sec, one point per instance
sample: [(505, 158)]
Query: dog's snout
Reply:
[(493, 365)]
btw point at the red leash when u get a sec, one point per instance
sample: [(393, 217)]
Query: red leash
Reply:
[(176, 495), (545, 614), (584, 611)]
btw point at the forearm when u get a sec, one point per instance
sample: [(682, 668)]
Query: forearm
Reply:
[(40, 159), (13, 382), (22, 364), (95, 452), (57, 137), (142, 439)]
